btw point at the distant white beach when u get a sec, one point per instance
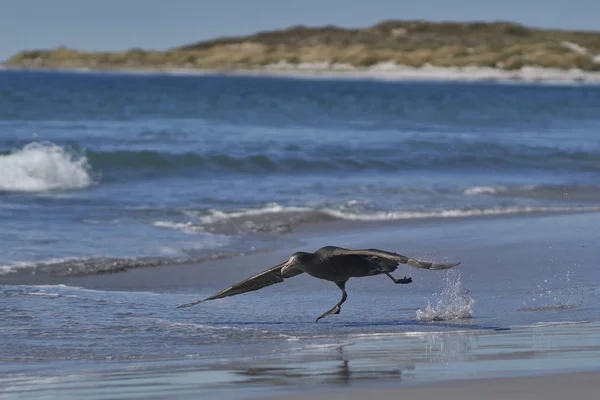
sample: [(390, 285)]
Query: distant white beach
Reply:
[(393, 71), (389, 71)]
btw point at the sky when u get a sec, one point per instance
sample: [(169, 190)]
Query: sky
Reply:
[(111, 25)]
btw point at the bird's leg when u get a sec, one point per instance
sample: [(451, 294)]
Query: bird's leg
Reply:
[(397, 280), (336, 309)]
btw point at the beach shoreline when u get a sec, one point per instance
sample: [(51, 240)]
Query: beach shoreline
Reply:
[(376, 347), (529, 362), (345, 233), (444, 240), (577, 385), (380, 72)]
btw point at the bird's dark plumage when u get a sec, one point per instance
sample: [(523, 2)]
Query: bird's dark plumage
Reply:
[(335, 264)]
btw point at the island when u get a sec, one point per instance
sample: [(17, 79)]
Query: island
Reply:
[(393, 45)]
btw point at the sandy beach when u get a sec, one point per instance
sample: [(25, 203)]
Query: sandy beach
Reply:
[(500, 352), (551, 387), (388, 71)]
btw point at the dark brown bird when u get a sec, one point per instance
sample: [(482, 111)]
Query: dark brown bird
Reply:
[(335, 264)]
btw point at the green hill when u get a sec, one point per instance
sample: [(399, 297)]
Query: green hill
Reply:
[(502, 45)]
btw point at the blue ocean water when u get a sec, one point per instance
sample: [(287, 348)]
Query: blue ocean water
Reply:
[(105, 172), (155, 168)]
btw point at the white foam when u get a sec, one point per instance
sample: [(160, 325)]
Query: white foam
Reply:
[(551, 323), (4, 269), (452, 213), (477, 190), (217, 216), (453, 302), (225, 328), (187, 227), (208, 240), (41, 167), (324, 346), (270, 208)]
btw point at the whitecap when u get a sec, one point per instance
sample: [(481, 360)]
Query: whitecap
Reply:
[(479, 190), (42, 167), (451, 213), (186, 227)]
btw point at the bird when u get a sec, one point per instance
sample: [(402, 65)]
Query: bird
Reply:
[(331, 263)]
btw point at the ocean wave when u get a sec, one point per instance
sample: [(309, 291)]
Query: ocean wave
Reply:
[(216, 332), (187, 227), (478, 190), (270, 219), (231, 328), (276, 219), (580, 193), (415, 155), (80, 266), (42, 167), (62, 288)]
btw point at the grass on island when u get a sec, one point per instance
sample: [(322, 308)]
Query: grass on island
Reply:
[(503, 45)]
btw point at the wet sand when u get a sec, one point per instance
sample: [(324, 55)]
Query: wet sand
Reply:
[(545, 362), (375, 348), (486, 246), (550, 387)]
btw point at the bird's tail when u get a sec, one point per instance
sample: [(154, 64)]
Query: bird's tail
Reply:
[(430, 265), (191, 304)]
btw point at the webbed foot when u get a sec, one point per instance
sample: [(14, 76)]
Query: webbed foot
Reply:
[(403, 280), (334, 310)]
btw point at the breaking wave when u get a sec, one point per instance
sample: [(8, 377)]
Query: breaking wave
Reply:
[(295, 159), (42, 167), (477, 190), (579, 193), (275, 218), (80, 266)]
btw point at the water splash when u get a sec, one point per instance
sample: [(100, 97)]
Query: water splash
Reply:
[(453, 302), (559, 293), (41, 167)]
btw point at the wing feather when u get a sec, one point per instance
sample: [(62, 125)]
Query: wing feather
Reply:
[(263, 279), (395, 257)]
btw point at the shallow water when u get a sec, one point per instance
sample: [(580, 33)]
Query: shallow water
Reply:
[(498, 314), (160, 176), (146, 168)]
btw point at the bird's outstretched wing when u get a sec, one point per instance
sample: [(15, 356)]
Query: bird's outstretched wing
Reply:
[(394, 257), (255, 282)]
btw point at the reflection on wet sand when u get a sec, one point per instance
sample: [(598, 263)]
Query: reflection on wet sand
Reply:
[(423, 357), (334, 369), (385, 359)]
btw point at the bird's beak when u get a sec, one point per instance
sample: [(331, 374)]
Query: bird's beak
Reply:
[(288, 266)]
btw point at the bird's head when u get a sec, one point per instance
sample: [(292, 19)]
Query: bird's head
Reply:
[(296, 262)]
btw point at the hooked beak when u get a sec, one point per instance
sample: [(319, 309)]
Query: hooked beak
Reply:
[(288, 267)]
